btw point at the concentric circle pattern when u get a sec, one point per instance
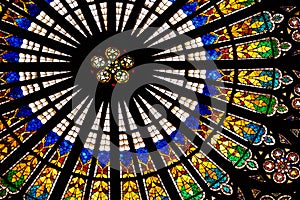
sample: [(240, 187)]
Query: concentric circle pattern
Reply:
[(149, 99)]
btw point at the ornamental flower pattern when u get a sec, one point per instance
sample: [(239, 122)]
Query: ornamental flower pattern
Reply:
[(283, 165), (294, 24), (113, 66)]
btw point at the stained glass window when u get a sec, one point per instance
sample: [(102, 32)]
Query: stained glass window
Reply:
[(149, 99)]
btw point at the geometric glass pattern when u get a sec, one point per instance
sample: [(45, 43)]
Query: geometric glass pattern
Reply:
[(149, 99)]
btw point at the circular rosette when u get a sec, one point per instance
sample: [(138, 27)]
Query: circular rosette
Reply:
[(294, 22), (296, 36), (297, 90), (269, 166), (277, 154), (114, 66), (293, 157), (294, 173), (282, 166), (112, 53), (127, 62), (122, 76), (103, 76), (98, 62), (279, 177)]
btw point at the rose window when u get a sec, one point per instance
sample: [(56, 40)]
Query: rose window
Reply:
[(114, 66)]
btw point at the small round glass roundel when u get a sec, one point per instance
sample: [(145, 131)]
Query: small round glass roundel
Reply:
[(122, 76), (294, 22), (112, 66), (103, 76), (112, 53), (98, 62), (127, 62), (296, 35)]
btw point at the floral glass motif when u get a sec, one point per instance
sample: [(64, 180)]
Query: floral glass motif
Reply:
[(249, 150), (283, 165), (114, 66), (294, 24)]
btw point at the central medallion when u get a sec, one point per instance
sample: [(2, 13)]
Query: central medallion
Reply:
[(113, 66)]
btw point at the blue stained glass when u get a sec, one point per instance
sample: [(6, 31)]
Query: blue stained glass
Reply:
[(203, 109), (29, 197), (286, 79), (213, 182), (23, 23), (256, 138), (15, 41), (173, 134), (16, 93), (268, 139), (163, 146), (11, 57), (12, 77), (86, 155), (213, 74), (189, 8), (103, 158), (177, 137), (24, 111), (265, 26), (51, 138), (34, 125), (126, 158), (270, 83), (142, 150), (210, 90), (45, 167), (33, 10), (199, 21), (33, 192), (212, 54), (226, 189), (277, 18), (208, 39), (65, 147), (192, 122), (142, 154), (48, 1)]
